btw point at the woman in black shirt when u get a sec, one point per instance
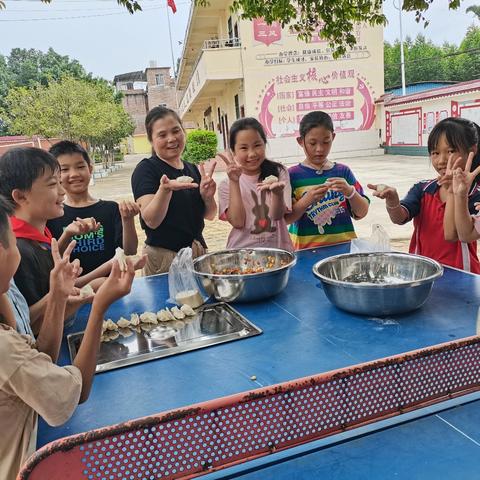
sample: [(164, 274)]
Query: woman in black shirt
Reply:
[(172, 212)]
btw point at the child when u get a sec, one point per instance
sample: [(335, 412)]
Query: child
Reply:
[(172, 212), (431, 203), (30, 183), (325, 194), (467, 225), (256, 210), (30, 383), (111, 226)]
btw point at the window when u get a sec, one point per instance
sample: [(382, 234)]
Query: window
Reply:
[(160, 79)]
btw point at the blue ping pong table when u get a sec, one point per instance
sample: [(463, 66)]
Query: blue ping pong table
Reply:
[(303, 334)]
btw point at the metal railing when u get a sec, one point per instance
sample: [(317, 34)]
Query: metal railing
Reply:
[(221, 43), (214, 43)]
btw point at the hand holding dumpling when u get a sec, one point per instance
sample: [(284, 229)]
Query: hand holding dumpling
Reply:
[(173, 185), (385, 192)]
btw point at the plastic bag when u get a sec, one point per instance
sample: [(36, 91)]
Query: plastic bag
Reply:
[(379, 241), (182, 285)]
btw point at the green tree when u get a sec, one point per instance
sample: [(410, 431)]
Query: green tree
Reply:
[(475, 9), (72, 109), (422, 61), (469, 62), (29, 66)]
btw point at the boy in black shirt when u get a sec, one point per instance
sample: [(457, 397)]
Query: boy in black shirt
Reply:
[(107, 224), (30, 183)]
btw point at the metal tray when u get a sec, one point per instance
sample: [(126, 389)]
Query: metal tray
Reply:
[(213, 323)]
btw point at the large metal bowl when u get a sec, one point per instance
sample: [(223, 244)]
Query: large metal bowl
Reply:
[(377, 284), (243, 287)]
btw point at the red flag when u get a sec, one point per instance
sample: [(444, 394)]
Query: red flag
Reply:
[(171, 4)]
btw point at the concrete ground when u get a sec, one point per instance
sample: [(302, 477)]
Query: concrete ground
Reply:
[(397, 170)]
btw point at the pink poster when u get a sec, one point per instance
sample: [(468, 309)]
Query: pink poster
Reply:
[(343, 94), (267, 34)]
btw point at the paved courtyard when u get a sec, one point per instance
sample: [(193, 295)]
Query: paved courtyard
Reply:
[(397, 170)]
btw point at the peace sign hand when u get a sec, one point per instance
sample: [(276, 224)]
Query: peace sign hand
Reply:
[(234, 171), (207, 183), (64, 273), (462, 179)]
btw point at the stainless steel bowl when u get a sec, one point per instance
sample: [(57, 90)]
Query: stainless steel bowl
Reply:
[(243, 287), (377, 284)]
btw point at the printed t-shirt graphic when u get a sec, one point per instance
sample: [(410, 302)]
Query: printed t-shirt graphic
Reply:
[(329, 220), (94, 248)]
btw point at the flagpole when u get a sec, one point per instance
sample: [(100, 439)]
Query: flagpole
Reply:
[(171, 44)]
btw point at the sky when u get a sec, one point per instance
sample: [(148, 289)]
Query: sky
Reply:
[(107, 40)]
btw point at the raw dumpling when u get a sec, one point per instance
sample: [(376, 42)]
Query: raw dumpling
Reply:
[(121, 258), (149, 317), (86, 291), (111, 325), (123, 323), (184, 179), (177, 313), (381, 187), (165, 315), (134, 319), (187, 310), (270, 179)]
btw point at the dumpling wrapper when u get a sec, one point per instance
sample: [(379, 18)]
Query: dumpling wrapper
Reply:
[(187, 310), (87, 291), (184, 179), (381, 187), (270, 179), (177, 313)]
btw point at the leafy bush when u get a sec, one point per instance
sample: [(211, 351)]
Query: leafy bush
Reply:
[(200, 146)]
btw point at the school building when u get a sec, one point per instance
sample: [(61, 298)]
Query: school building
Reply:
[(408, 120), (232, 68)]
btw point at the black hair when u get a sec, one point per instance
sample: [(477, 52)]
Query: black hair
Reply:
[(313, 120), (66, 147), (20, 167), (157, 113), (268, 167), (461, 134), (5, 211)]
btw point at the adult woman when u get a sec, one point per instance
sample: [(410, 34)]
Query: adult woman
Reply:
[(172, 212)]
